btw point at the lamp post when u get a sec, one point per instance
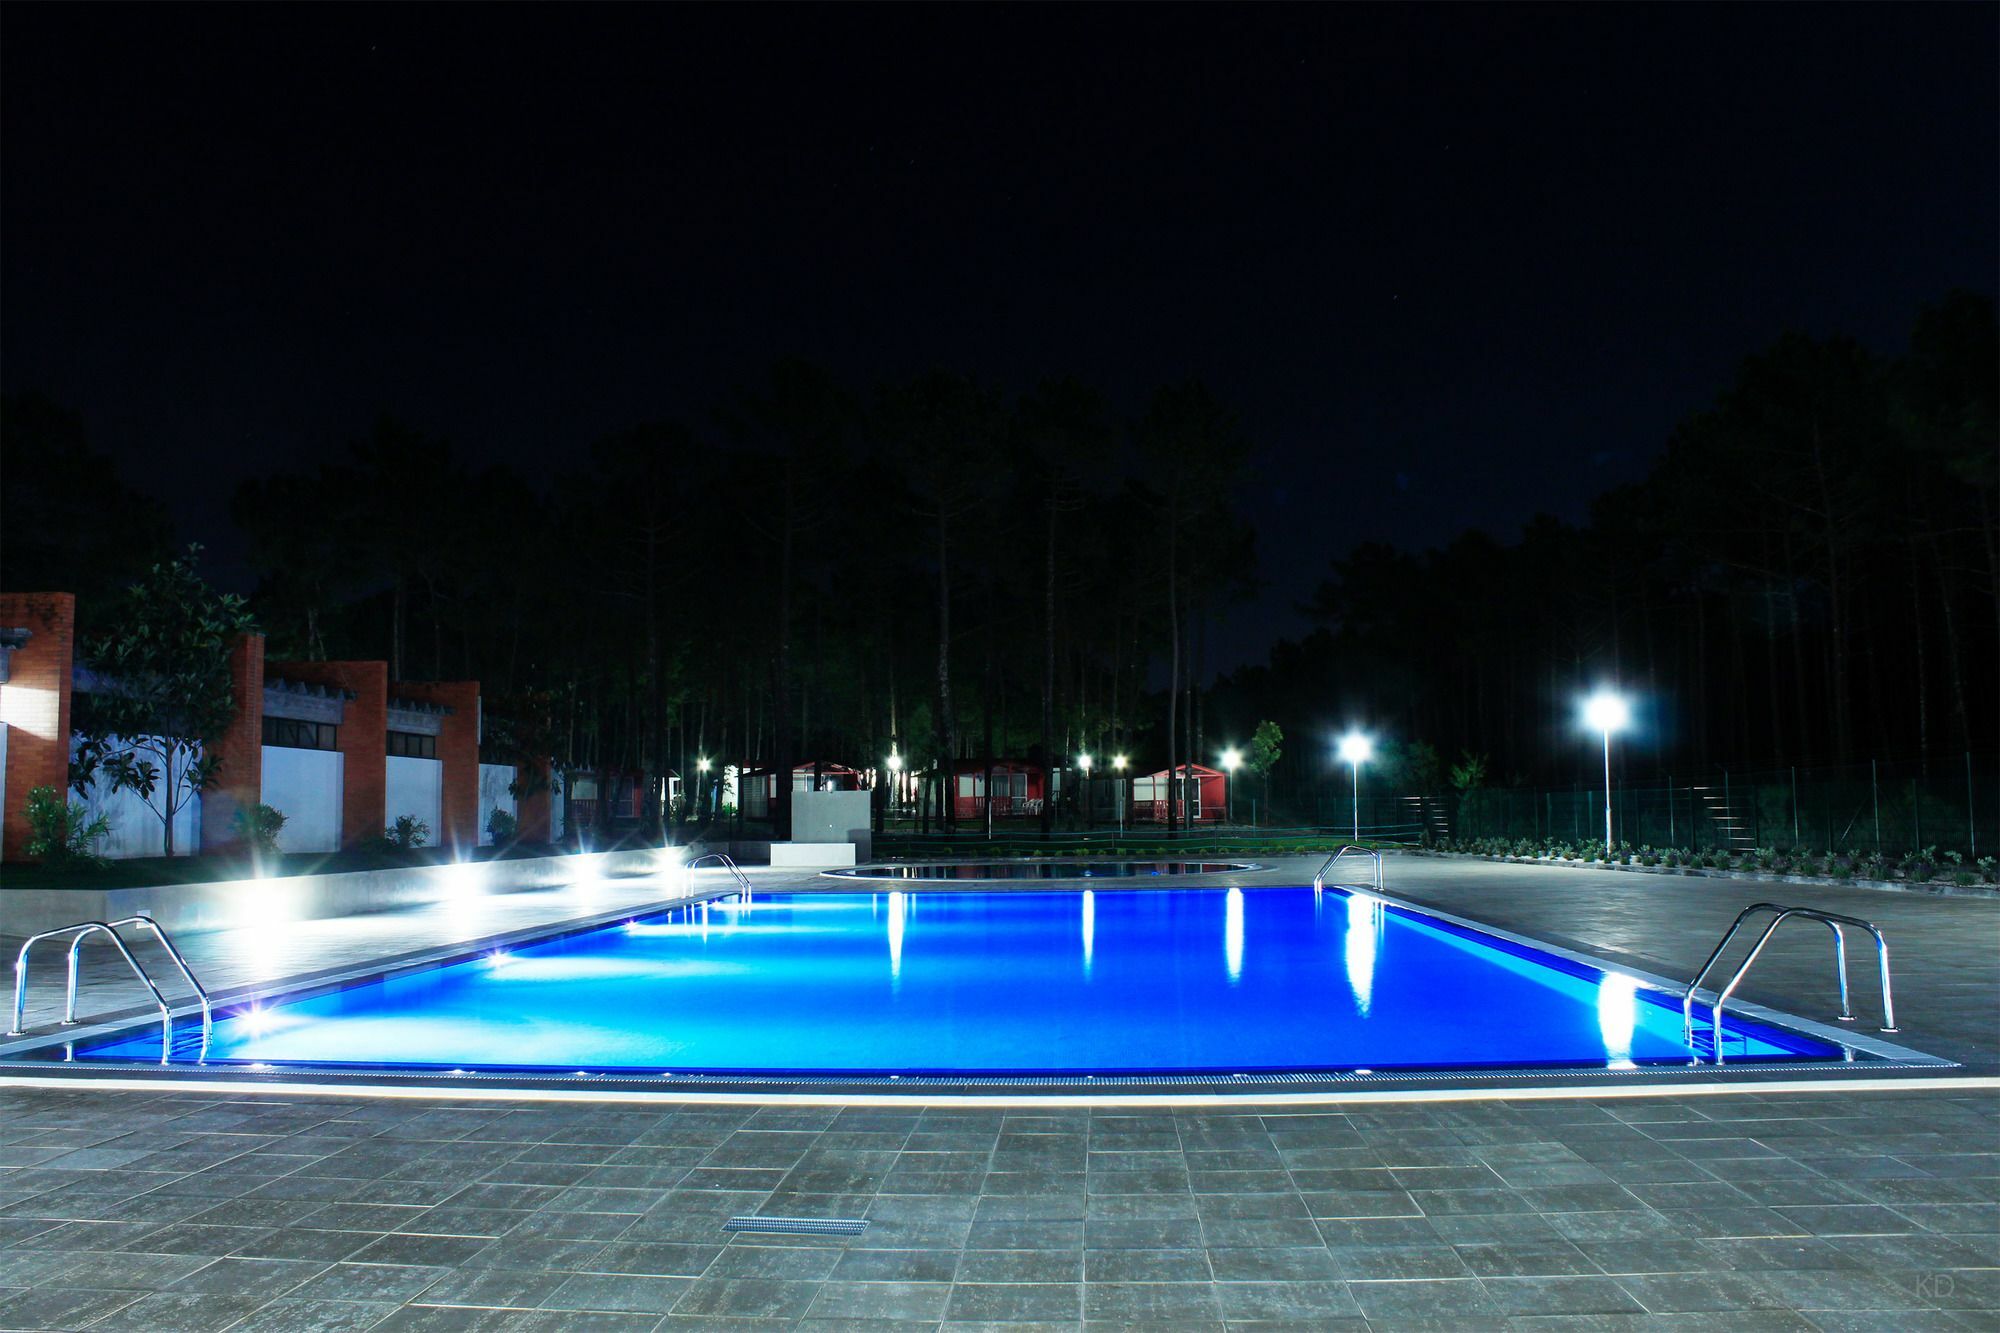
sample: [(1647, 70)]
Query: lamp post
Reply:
[(1118, 767), (1606, 711), (1356, 749), (1083, 767), (895, 762), (1231, 759), (701, 766)]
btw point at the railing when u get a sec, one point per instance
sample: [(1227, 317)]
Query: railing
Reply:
[(1833, 920), (728, 863), (82, 931), (1354, 849)]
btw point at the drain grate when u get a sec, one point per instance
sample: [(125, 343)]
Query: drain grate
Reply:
[(798, 1226)]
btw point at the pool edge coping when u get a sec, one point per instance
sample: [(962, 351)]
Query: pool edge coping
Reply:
[(1497, 1084)]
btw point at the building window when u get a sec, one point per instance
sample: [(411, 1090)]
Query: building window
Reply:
[(411, 745), (292, 734)]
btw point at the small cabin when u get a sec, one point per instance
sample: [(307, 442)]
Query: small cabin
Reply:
[(1019, 788), (624, 789), (1198, 790), (759, 786)]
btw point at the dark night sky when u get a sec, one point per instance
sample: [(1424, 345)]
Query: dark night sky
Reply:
[(1452, 266)]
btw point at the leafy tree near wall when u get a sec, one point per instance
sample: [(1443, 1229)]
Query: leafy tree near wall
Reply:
[(163, 688), (1263, 753)]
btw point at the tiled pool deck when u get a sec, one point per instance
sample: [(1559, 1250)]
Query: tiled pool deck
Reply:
[(1807, 1209)]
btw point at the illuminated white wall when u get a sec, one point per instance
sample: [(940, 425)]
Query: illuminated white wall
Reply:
[(556, 806), (414, 787), (3, 777), (136, 827), (494, 779), (304, 786)]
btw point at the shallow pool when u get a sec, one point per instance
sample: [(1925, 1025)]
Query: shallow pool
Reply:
[(1015, 982)]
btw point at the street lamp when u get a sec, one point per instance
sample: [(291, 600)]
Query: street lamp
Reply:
[(1231, 758), (1357, 750), (1118, 766), (1083, 766), (1606, 711), (895, 776)]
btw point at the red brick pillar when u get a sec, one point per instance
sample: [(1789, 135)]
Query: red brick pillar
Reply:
[(34, 703), (458, 751), (533, 812), (238, 782), (364, 741)]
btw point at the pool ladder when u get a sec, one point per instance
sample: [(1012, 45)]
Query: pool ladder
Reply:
[(1780, 914), (82, 931), (1349, 849), (727, 863)]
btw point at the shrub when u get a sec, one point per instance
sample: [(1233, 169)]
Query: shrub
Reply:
[(502, 825), (407, 833), (258, 827), (61, 833)]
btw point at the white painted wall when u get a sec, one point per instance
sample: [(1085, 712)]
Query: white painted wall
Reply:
[(494, 779), (304, 786), (415, 787), (556, 807), (833, 816), (3, 783), (135, 824)]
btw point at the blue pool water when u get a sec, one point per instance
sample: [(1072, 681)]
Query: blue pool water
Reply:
[(977, 870), (1019, 982)]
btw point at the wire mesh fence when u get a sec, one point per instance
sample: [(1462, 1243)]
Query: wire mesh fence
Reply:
[(1890, 808)]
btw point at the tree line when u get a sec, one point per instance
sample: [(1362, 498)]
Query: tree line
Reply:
[(1809, 575), (935, 568)]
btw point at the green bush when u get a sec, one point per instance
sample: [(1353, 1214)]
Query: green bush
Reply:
[(502, 825), (407, 833), (258, 826), (61, 833)]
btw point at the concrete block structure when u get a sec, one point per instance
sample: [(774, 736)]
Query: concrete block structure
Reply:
[(37, 661), (238, 783), (456, 708), (363, 728), (332, 745)]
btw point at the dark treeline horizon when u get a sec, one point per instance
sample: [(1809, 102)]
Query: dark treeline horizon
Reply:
[(1810, 574)]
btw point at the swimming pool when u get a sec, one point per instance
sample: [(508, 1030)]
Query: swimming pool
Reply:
[(1000, 985), (992, 870)]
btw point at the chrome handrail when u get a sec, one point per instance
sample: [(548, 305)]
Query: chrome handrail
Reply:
[(81, 929), (1319, 879), (167, 943), (1832, 920), (727, 863)]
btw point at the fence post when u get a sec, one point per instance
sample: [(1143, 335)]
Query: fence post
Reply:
[(1917, 812), (1875, 786), (1971, 810), (1795, 808)]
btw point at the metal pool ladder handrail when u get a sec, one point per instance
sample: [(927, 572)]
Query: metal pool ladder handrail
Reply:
[(82, 930), (1833, 920), (728, 863), (1319, 879)]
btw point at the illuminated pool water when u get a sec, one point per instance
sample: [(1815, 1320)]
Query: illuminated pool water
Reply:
[(988, 870), (1012, 982)]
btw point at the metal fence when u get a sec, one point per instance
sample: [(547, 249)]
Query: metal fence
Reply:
[(1895, 808)]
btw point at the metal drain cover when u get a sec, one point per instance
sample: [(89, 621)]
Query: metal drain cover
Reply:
[(798, 1226)]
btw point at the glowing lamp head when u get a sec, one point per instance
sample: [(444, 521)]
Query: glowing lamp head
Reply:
[(1232, 759), (1118, 762), (1083, 762), (701, 764), (895, 763), (1606, 712), (1356, 748)]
